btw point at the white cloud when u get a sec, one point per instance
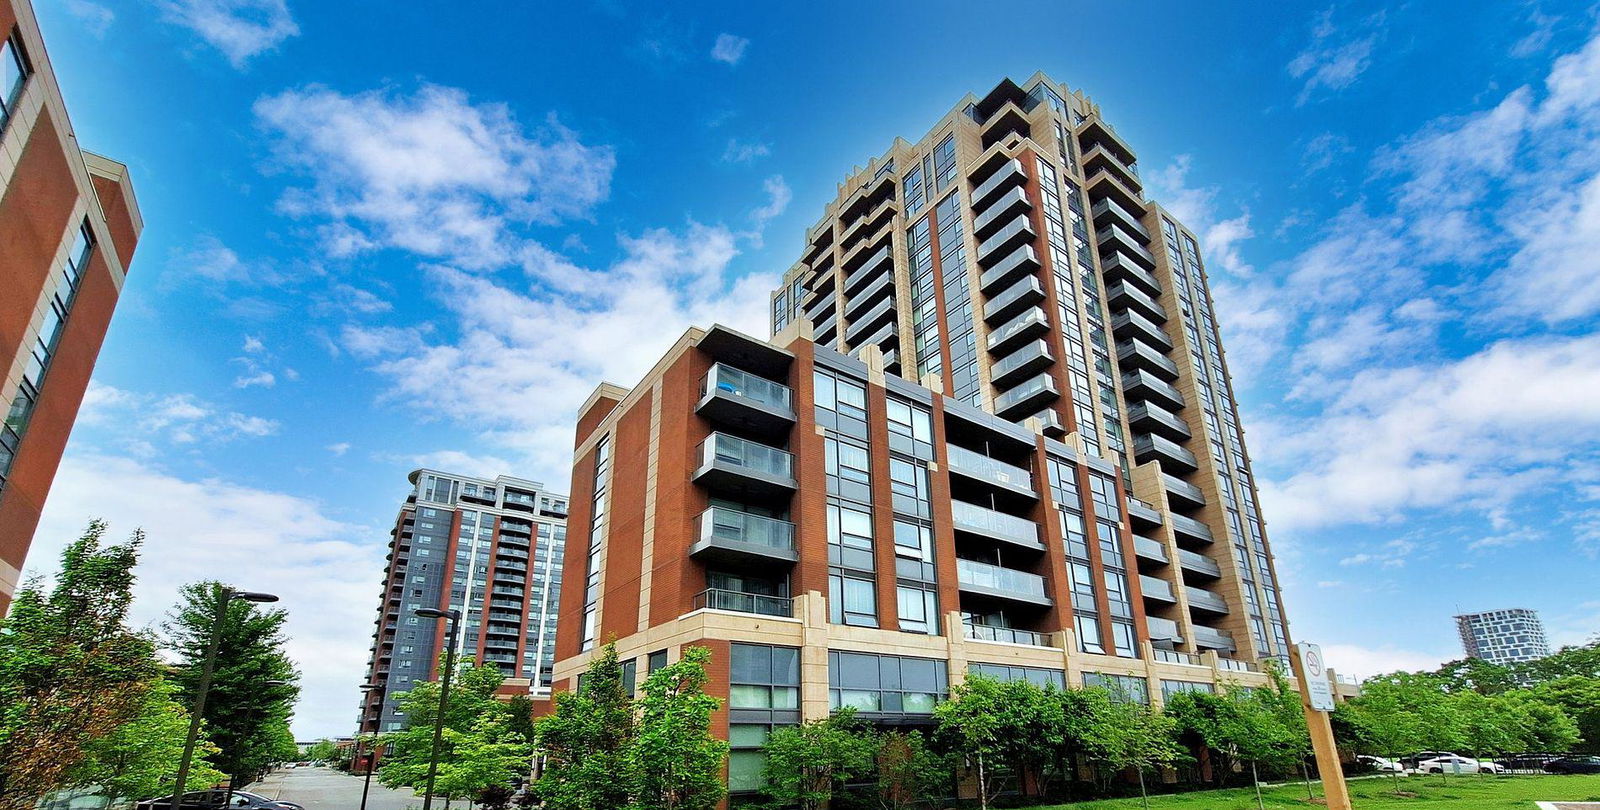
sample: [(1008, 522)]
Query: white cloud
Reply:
[(778, 198), (1364, 662), (432, 173), (729, 48), (325, 570), (339, 448), (745, 151), (181, 419), (96, 18), (1332, 62), (240, 29), (253, 344), (263, 379)]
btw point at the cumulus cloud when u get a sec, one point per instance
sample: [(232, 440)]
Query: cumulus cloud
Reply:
[(240, 29), (729, 49), (433, 172), (177, 419), (324, 569)]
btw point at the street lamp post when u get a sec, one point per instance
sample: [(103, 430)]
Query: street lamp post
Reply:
[(372, 751), (224, 596), (454, 618)]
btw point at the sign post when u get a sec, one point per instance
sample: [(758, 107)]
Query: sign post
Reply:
[(1316, 699)]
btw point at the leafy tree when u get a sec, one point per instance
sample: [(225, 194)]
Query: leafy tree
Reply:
[(586, 740), (486, 755), (71, 672), (323, 749), (1236, 726), (1582, 661), (807, 763), (139, 759), (1579, 697), (910, 772), (1476, 675), (472, 688), (1133, 736), (674, 761), (1380, 724), (973, 724), (253, 686)]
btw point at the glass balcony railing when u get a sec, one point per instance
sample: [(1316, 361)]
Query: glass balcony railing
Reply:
[(1204, 599), (1173, 656), (982, 466), (1156, 588), (1007, 635), (720, 449), (720, 522), (739, 602), (979, 520), (997, 578), (736, 382)]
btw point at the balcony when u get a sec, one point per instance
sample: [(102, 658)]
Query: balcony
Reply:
[(740, 602), (1028, 359), (1142, 515), (741, 467), (1146, 549), (1050, 424), (870, 320), (984, 522), (1018, 231), (737, 398), (1187, 528), (1127, 297), (1095, 132), (1007, 176), (1117, 267), (823, 307), (1199, 564), (979, 467), (1016, 298), (997, 213), (1130, 324), (1182, 494), (869, 224), (872, 268), (870, 293), (1208, 638), (887, 335), (1101, 159), (728, 536), (1157, 590), (1158, 421), (1030, 324), (1021, 261), (1108, 185), (1027, 397), (1113, 239), (1136, 354), (1163, 630), (827, 331), (1149, 447), (1007, 635), (1108, 212), (1144, 385), (1201, 599), (994, 581)]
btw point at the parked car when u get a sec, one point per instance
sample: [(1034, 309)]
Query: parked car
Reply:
[(1455, 764), (219, 800), (1412, 761), (1380, 764), (1525, 762), (1573, 765)]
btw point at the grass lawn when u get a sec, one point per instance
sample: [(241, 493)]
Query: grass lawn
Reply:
[(1464, 792)]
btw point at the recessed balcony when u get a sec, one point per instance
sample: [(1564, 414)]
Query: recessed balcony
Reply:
[(740, 602), (1024, 293), (1129, 324), (1150, 447), (1026, 360), (1187, 528), (737, 398), (999, 212), (993, 472), (1200, 564), (1008, 176), (1182, 494), (1210, 638), (1156, 590), (1140, 384), (1124, 296), (1021, 262), (740, 467), (1019, 231), (1204, 600), (997, 582), (1032, 323), (985, 522), (1027, 397), (730, 537)]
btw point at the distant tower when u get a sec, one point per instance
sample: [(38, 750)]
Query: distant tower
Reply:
[(1508, 636)]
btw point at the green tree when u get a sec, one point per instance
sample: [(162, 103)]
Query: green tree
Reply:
[(1004, 730), (139, 758), (71, 672), (1236, 726), (1476, 675), (910, 772), (1579, 697), (674, 761), (1132, 736), (323, 749), (485, 755), (1582, 661), (586, 740), (472, 688), (1380, 724), (807, 763), (253, 687)]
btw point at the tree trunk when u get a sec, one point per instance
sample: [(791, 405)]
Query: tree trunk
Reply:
[(983, 785), (1260, 805), (1144, 795)]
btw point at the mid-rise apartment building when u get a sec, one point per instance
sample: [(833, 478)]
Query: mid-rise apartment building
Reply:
[(1510, 636), (68, 227), (491, 549), (994, 433)]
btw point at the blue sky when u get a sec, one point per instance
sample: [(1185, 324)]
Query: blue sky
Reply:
[(383, 235)]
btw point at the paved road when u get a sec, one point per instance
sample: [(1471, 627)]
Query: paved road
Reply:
[(328, 789)]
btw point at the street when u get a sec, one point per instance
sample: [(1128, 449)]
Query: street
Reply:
[(330, 789)]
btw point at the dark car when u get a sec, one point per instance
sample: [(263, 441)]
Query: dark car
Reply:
[(1573, 765), (219, 800)]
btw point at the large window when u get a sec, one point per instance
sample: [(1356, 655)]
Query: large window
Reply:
[(763, 693), (1037, 676), (885, 684), (944, 162), (852, 600), (14, 70), (1122, 687), (591, 592), (919, 609)]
